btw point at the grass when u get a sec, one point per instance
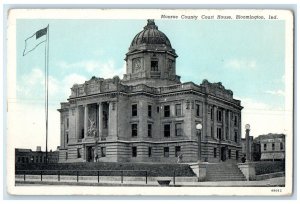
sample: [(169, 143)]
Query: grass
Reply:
[(108, 169), (267, 167)]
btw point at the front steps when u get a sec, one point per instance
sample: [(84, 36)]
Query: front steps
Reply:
[(223, 171)]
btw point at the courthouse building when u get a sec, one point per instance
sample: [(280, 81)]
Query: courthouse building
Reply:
[(149, 115)]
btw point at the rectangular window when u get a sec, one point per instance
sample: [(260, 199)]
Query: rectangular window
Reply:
[(167, 128), (265, 147), (149, 111), (134, 130), (167, 111), (134, 152), (219, 115), (82, 133), (235, 136), (134, 110), (178, 129), (212, 131), (149, 130), (178, 110), (78, 153), (67, 134), (149, 151), (212, 114), (166, 151), (273, 146), (229, 154), (154, 66), (237, 155), (219, 133), (235, 120), (197, 110), (67, 123), (103, 151), (66, 155), (157, 109), (281, 146), (215, 152), (177, 151)]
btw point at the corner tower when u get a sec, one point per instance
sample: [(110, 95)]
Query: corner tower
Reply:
[(151, 60)]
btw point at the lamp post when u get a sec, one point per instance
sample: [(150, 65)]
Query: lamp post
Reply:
[(247, 127), (198, 129)]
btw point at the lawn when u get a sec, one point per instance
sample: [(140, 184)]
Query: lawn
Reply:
[(108, 169), (267, 167)]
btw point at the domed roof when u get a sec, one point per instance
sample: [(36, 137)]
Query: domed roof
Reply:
[(150, 36)]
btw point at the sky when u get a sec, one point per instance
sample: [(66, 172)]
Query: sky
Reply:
[(248, 57)]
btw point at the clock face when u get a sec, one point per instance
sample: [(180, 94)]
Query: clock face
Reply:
[(247, 126), (136, 64)]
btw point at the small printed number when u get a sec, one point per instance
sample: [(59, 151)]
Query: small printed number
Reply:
[(276, 190)]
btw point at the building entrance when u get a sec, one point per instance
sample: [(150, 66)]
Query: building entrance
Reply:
[(223, 153), (89, 154)]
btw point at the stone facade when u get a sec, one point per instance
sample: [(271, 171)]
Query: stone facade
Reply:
[(149, 115)]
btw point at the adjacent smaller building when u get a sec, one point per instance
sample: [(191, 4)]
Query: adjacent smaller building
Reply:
[(23, 156), (272, 146)]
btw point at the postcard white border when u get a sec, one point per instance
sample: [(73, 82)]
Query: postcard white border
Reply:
[(16, 14)]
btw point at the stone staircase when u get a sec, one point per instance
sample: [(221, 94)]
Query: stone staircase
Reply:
[(224, 172)]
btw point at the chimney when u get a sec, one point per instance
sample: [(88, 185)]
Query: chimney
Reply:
[(38, 149)]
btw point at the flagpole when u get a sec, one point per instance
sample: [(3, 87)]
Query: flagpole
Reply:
[(47, 86)]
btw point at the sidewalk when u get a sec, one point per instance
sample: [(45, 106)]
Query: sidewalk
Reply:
[(279, 181)]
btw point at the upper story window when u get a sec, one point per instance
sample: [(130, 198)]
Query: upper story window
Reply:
[(149, 111), (235, 136), (149, 130), (67, 123), (167, 130), (219, 115), (134, 110), (198, 110), (219, 133), (178, 129), (178, 111), (211, 113), (167, 111), (154, 65), (265, 147), (134, 130), (235, 120), (273, 146)]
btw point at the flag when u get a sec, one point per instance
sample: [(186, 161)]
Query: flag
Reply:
[(35, 40)]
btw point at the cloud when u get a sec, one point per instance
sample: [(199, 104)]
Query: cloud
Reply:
[(276, 93), (26, 126), (106, 69), (240, 64), (262, 117)]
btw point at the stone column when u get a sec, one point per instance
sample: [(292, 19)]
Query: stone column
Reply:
[(100, 116), (215, 122), (224, 125), (86, 120), (77, 131), (229, 125)]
